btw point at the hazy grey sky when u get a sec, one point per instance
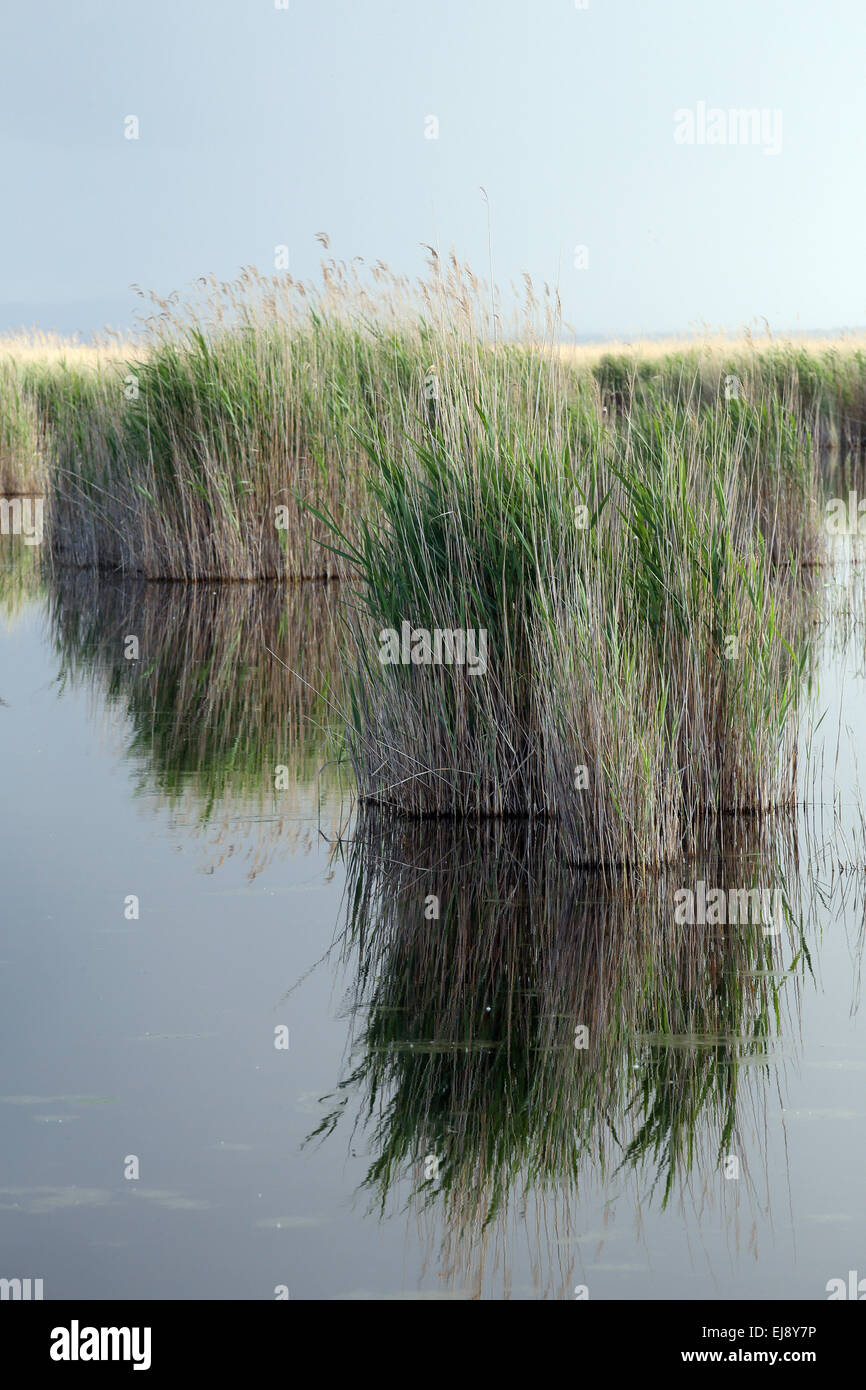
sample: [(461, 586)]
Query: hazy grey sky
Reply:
[(261, 126)]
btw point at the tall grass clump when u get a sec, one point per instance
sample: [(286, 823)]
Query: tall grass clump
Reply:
[(214, 451), (823, 382), (210, 446), (35, 372), (645, 652), (20, 452)]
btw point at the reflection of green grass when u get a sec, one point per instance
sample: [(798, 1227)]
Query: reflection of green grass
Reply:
[(21, 575), (208, 704), (466, 1023)]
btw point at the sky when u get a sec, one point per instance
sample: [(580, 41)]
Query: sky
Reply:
[(604, 134)]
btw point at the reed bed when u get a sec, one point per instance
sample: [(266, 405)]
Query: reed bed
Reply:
[(21, 461), (35, 368), (633, 579), (626, 533), (208, 446), (823, 381)]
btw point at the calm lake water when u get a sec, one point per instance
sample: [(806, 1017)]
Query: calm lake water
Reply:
[(468, 1144)]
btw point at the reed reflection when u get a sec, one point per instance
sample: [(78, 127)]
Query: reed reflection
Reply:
[(228, 691), (551, 1029)]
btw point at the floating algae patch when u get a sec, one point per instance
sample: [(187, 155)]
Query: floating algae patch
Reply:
[(171, 1201), (836, 1114), (52, 1100), (288, 1223), (690, 1040), (41, 1201), (171, 1037), (472, 1045)]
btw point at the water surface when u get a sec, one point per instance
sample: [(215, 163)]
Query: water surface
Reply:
[(431, 1130)]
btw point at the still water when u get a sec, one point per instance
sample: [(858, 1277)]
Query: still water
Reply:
[(431, 1125)]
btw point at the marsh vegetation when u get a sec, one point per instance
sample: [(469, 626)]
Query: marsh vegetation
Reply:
[(633, 532)]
